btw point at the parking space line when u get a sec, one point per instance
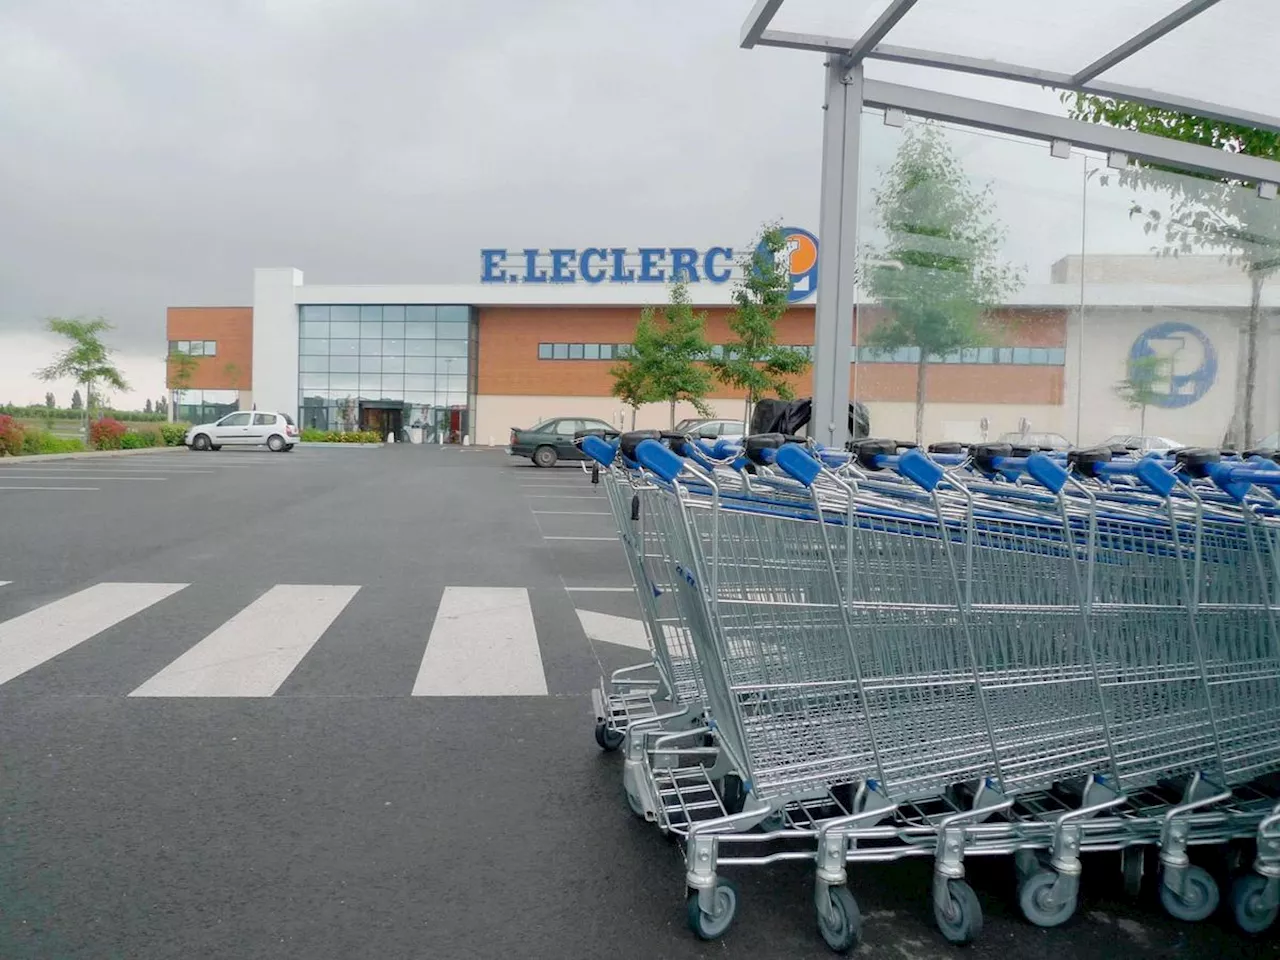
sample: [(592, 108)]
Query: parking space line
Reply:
[(600, 589), (625, 631), (483, 643), (49, 488), (45, 632), (561, 496), (545, 537), (573, 513), (5, 583), (78, 476), (255, 651)]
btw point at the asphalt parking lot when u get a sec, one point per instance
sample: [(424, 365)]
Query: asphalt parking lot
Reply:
[(334, 703)]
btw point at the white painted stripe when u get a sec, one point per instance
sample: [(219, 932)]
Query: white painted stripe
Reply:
[(47, 488), (483, 644), (624, 631), (600, 589), (31, 639), (5, 583), (573, 513), (255, 651), (77, 476), (579, 538), (560, 496)]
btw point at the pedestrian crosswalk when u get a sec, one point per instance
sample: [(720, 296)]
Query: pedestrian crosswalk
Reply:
[(481, 641)]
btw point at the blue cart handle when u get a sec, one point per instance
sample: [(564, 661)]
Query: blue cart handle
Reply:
[(1235, 479), (658, 458), (599, 449)]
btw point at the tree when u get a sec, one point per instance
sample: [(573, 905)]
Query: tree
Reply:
[(938, 272), (754, 362), (86, 360), (666, 358), (1212, 213), (76, 402), (162, 406), (181, 368), (146, 408), (49, 402), (1141, 386)]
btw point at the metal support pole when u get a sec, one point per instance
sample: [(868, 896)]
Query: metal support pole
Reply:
[(837, 252)]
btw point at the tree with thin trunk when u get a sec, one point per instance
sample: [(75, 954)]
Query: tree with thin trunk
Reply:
[(666, 361), (753, 361), (77, 403), (1205, 212), (86, 359), (1141, 386), (938, 272), (181, 369)]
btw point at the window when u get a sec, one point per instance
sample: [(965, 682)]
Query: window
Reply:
[(591, 351), (235, 420), (211, 348), (986, 355), (606, 351), (1021, 354), (575, 351), (370, 314), (1056, 356), (544, 351), (560, 351), (344, 329), (196, 348), (264, 419), (1039, 355)]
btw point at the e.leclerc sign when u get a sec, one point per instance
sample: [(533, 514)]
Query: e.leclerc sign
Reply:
[(646, 264)]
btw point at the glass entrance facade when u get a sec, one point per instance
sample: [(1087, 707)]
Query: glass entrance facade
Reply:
[(353, 357)]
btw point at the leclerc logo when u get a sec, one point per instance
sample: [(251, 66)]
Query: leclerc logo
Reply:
[(715, 265), (799, 258)]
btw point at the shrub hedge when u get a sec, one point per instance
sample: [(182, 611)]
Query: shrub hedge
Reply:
[(107, 434), (312, 435)]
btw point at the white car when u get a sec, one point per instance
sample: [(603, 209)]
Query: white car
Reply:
[(247, 428), (1142, 444)]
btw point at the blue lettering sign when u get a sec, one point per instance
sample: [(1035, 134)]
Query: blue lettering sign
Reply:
[(531, 272), (584, 269), (651, 257), (492, 271), (620, 273), (684, 262), (708, 264), (561, 272)]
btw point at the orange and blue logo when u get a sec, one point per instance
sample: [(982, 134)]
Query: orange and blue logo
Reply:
[(798, 258)]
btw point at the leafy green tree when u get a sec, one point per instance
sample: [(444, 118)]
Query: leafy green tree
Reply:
[(76, 402), (162, 406), (86, 359), (666, 359), (181, 369), (938, 272), (1141, 386), (1208, 213), (147, 406), (754, 362), (49, 402)]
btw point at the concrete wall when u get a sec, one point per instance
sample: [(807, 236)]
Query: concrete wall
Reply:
[(275, 338)]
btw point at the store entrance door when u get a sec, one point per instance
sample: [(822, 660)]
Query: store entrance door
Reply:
[(382, 420)]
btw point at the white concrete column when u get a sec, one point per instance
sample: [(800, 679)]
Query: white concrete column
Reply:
[(275, 338)]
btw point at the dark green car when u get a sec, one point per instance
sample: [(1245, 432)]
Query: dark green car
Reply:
[(552, 440)]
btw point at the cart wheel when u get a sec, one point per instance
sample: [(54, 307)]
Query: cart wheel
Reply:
[(841, 923), (1133, 864), (608, 738), (712, 926), (774, 821), (961, 923), (634, 803), (1250, 906), (1040, 905), (1199, 899)]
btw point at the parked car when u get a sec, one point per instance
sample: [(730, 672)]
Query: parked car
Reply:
[(712, 429), (552, 440), (247, 428), (1041, 441), (1141, 444)]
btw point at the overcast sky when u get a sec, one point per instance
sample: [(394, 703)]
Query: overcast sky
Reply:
[(153, 152)]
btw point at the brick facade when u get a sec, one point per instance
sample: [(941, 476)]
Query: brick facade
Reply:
[(232, 328)]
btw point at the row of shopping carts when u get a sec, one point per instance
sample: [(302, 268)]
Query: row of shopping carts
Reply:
[(870, 655)]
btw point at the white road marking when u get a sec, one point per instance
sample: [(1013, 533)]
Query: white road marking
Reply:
[(255, 651), (483, 644), (560, 496), (47, 488), (32, 638), (600, 589), (5, 583), (77, 476), (574, 513), (579, 538), (624, 631)]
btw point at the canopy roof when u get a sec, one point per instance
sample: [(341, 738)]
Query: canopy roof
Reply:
[(1214, 58)]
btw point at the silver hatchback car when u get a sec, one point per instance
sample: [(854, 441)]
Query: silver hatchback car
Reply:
[(247, 428)]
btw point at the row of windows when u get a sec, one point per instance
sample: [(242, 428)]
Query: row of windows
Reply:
[(385, 330), (415, 313), (344, 347), (335, 399), (1023, 356), (194, 348), (346, 364), (385, 384), (612, 351)]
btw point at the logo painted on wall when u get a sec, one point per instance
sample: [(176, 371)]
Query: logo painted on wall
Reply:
[(1192, 361), (799, 257)]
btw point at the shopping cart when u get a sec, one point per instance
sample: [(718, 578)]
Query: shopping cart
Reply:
[(950, 669)]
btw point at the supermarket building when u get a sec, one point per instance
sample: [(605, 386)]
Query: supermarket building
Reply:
[(538, 335)]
